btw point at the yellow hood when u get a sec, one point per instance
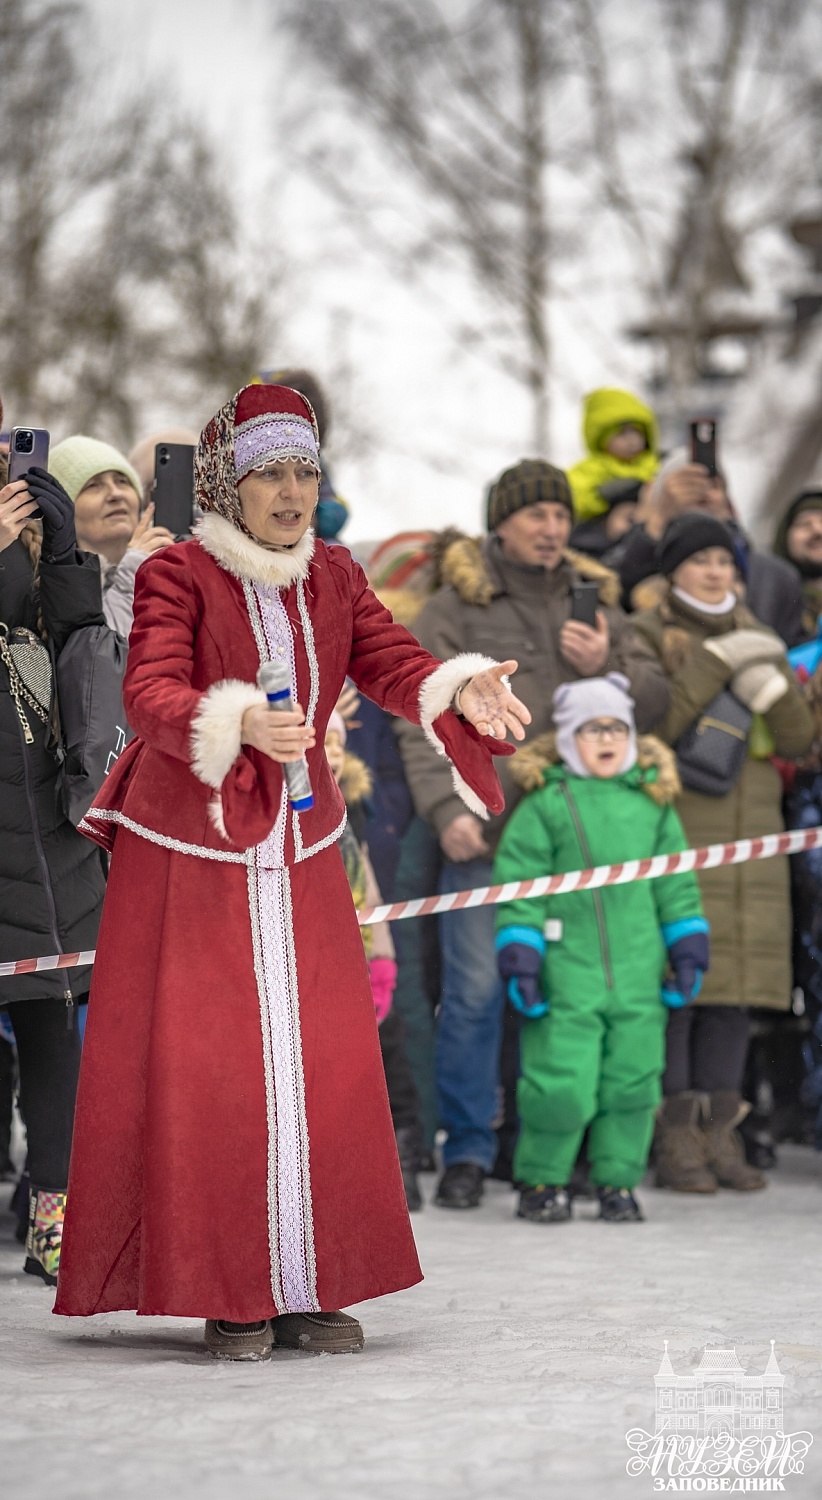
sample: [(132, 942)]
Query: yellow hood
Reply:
[(607, 409)]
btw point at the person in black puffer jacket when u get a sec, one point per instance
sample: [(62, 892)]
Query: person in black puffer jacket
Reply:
[(52, 879)]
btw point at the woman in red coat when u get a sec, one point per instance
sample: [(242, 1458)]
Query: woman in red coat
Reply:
[(233, 1152)]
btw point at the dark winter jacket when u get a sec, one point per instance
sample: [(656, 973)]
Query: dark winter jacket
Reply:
[(489, 606), (389, 808), (773, 588), (51, 879)]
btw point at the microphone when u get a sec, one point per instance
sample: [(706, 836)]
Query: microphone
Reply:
[(274, 678)]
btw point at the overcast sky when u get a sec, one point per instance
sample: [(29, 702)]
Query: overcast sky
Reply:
[(411, 390)]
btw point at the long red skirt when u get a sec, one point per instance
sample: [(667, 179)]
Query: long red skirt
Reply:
[(233, 1150)]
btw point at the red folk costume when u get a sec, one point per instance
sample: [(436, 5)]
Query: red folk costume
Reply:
[(233, 1150)]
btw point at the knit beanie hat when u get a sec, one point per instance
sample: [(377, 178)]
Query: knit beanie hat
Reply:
[(576, 703), (531, 482), (77, 459), (810, 499), (691, 532)]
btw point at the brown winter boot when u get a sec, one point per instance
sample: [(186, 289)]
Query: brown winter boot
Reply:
[(726, 1154), (682, 1148)]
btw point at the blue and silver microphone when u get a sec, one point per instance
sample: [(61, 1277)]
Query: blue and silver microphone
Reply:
[(274, 678)]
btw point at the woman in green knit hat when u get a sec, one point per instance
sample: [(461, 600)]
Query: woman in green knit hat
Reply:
[(105, 491)]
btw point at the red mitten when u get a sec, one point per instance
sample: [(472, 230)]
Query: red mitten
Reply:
[(383, 975), (250, 798), (473, 756)]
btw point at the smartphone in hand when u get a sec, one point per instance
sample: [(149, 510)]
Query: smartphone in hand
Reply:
[(173, 491), (28, 449), (703, 443), (585, 603)]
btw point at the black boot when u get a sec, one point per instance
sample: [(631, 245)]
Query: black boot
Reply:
[(409, 1150), (544, 1205), (619, 1206), (461, 1185)]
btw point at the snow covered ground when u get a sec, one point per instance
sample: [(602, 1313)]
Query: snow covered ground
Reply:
[(514, 1371)]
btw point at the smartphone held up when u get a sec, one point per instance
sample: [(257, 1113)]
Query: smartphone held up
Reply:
[(585, 603), (173, 489), (28, 449), (703, 443)]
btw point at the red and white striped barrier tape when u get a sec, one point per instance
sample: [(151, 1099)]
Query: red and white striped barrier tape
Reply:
[(54, 961), (767, 847), (709, 858)]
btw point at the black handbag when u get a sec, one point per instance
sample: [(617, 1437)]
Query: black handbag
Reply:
[(90, 671), (712, 752)]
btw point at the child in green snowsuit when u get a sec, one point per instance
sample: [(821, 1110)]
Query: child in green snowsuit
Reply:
[(622, 439), (586, 968)]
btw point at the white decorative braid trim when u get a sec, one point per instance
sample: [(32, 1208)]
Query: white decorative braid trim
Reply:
[(438, 689), (301, 853), (436, 695), (113, 815), (311, 653), (313, 697), (216, 729), (290, 1212)]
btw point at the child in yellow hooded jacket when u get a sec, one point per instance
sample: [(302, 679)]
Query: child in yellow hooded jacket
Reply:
[(622, 439)]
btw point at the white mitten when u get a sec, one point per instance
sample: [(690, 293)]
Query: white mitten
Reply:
[(739, 648), (759, 686)]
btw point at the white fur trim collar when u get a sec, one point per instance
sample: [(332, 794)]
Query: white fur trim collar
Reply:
[(247, 560)]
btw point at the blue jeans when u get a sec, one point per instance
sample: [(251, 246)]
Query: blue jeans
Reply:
[(469, 1027)]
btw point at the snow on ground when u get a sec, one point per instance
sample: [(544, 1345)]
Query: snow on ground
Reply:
[(515, 1370)]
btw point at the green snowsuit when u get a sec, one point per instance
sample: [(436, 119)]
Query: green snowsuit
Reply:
[(604, 412), (597, 1057)]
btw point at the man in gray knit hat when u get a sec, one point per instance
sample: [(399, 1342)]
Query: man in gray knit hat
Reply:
[(507, 595)]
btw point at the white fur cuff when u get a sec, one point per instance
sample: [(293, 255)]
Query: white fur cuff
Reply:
[(217, 726), (437, 691), (437, 695)]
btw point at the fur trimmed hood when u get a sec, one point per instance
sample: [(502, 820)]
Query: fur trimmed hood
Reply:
[(356, 781), (463, 566), (249, 561), (529, 765)]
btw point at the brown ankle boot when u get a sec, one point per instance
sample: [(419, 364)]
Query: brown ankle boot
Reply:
[(318, 1333), (682, 1154), (726, 1154)]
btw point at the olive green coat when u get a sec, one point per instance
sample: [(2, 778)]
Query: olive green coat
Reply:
[(748, 905)]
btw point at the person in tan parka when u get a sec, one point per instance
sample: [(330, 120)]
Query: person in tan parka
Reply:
[(707, 641)]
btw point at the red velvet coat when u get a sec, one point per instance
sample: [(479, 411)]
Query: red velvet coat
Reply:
[(233, 1152)]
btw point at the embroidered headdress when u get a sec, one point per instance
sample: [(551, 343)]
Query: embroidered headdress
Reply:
[(262, 424)]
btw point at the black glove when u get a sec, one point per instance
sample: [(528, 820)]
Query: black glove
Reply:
[(59, 536)]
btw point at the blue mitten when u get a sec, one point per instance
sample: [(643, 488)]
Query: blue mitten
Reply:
[(689, 957), (519, 958)]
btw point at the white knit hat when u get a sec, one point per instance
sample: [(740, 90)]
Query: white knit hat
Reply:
[(576, 703)]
